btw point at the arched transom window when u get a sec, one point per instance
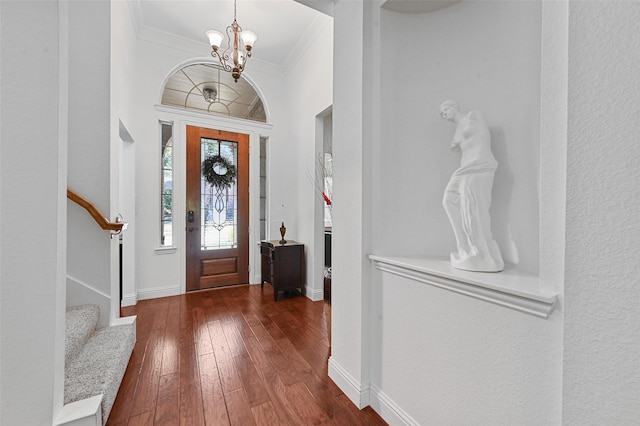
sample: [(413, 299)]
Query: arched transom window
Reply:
[(207, 88)]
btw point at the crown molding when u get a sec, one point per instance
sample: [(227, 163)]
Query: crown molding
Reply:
[(305, 41), (323, 6), (135, 10), (201, 48)]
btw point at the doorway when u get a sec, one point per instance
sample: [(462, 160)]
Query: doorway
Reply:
[(217, 208)]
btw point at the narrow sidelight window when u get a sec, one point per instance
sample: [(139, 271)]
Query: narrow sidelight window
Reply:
[(263, 188), (166, 190)]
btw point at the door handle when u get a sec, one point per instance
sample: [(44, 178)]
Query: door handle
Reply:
[(191, 229)]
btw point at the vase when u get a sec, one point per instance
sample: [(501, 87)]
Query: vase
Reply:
[(283, 230)]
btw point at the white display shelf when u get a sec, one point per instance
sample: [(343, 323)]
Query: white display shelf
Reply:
[(512, 287)]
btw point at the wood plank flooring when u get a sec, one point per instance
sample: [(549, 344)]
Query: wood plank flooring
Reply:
[(232, 356)]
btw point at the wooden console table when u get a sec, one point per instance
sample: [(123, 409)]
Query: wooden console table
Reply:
[(282, 265)]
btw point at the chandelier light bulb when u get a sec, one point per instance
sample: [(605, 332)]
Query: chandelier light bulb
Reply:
[(215, 39), (248, 38)]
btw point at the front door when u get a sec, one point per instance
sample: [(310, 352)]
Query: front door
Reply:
[(217, 209)]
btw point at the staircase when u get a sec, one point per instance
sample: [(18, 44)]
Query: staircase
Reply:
[(95, 362)]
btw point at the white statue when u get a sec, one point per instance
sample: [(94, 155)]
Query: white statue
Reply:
[(467, 197)]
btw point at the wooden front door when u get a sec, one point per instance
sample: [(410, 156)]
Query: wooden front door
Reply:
[(217, 216)]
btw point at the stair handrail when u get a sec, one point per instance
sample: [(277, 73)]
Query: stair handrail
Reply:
[(115, 227)]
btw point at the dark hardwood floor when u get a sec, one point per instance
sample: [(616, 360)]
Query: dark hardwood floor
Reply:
[(232, 356)]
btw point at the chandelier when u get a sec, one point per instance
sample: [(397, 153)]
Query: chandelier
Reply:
[(234, 57)]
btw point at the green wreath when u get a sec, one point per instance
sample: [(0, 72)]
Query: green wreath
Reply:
[(212, 176)]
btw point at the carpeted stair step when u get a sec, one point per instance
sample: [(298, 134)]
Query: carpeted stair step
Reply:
[(80, 324), (100, 366), (95, 362)]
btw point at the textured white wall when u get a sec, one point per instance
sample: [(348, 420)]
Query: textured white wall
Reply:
[(33, 203), (602, 286)]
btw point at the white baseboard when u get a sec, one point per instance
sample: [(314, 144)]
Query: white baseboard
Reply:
[(86, 412), (154, 293), (129, 300), (389, 410), (314, 295), (354, 390)]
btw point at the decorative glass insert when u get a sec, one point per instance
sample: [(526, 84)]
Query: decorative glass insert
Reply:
[(166, 189), (218, 204), (205, 88)]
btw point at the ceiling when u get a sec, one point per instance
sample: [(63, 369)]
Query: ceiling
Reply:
[(284, 27)]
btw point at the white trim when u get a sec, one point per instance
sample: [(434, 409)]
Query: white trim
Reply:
[(135, 10), (511, 288), (129, 300), (86, 412), (314, 294), (322, 6), (165, 250), (155, 292), (305, 41), (88, 287), (131, 320), (79, 293), (240, 124), (389, 410), (352, 388)]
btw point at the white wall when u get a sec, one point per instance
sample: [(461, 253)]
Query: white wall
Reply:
[(486, 56), (292, 102), (443, 357), (92, 255), (447, 359), (163, 274), (309, 93), (33, 204), (601, 372), (348, 365), (123, 90), (438, 357)]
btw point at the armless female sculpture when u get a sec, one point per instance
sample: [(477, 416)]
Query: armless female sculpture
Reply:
[(467, 197)]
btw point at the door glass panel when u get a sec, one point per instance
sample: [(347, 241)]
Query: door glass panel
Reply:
[(218, 204)]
